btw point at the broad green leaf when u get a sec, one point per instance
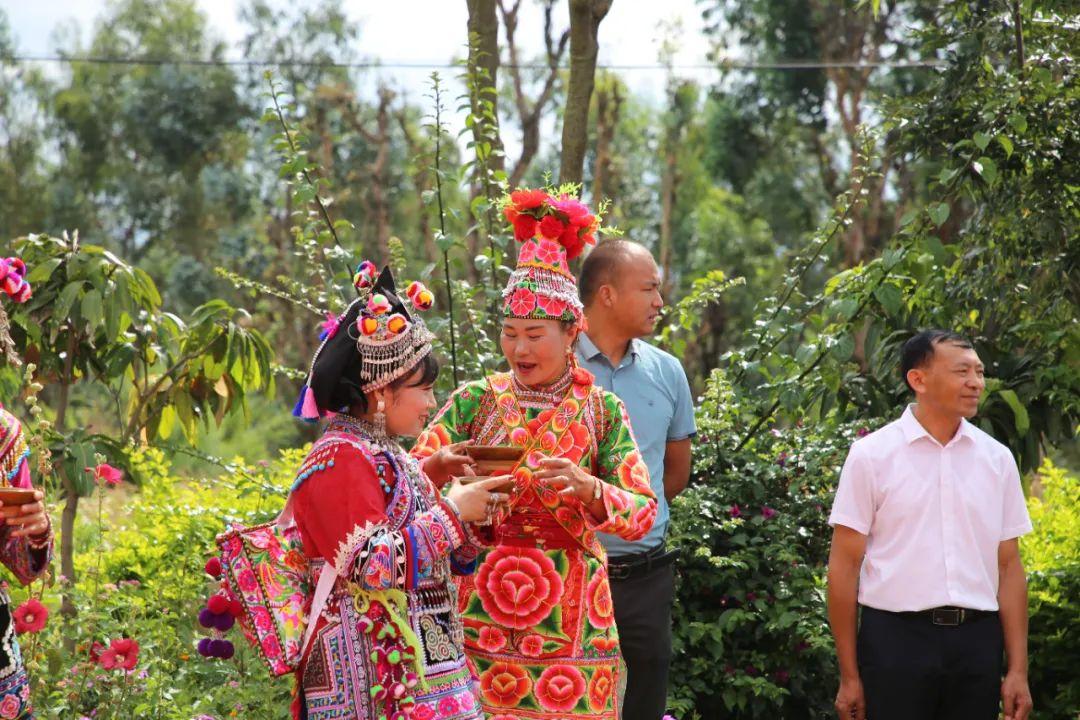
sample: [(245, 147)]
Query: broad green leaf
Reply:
[(1006, 145), (939, 213), (92, 310), (987, 168), (890, 297), (1020, 413), (66, 299), (843, 348), (981, 140)]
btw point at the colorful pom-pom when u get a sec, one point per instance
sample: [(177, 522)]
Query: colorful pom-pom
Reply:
[(218, 604), (213, 567), (378, 304), (329, 326), (414, 287), (226, 650), (207, 619), (225, 621), (368, 326), (397, 324), (204, 647), (236, 609), (365, 275)]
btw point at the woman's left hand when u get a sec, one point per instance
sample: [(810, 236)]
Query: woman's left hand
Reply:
[(569, 478), (32, 519)]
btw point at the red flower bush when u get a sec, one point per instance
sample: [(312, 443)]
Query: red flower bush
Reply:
[(505, 685), (123, 653), (560, 687), (30, 617), (518, 587)]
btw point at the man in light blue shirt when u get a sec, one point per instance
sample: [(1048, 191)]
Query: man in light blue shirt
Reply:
[(620, 288)]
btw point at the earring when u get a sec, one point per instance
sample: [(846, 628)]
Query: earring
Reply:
[(380, 416)]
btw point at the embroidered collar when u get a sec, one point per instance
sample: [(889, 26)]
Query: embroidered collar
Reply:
[(543, 395), (363, 429)]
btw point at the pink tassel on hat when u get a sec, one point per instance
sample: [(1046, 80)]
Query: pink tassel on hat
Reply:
[(310, 409)]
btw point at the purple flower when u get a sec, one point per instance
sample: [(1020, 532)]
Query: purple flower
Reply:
[(751, 597), (751, 671), (767, 512), (735, 511), (862, 432), (781, 459)]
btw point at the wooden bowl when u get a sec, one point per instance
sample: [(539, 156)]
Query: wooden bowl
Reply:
[(495, 459), (14, 499), (505, 487)]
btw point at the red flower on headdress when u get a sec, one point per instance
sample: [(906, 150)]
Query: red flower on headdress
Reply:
[(524, 227), (528, 199), (522, 302), (551, 227)]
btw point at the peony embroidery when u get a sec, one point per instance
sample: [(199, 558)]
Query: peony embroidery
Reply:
[(518, 587), (598, 601), (600, 687), (504, 684), (491, 639), (560, 687), (532, 645)]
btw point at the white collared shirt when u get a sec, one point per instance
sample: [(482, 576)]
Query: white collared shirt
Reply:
[(933, 515)]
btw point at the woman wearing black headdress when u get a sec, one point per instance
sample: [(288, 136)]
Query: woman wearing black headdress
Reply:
[(389, 642)]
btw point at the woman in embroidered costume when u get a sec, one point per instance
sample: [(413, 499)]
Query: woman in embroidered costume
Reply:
[(538, 617), (26, 536), (388, 644)]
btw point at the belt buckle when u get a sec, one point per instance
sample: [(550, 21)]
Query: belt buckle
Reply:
[(947, 617), (618, 572)]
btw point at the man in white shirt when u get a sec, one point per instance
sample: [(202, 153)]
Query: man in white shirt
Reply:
[(926, 523)]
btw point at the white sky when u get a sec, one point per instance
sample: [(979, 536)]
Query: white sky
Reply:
[(420, 31)]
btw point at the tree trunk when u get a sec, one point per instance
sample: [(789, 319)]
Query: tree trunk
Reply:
[(608, 109), (585, 18), (484, 66)]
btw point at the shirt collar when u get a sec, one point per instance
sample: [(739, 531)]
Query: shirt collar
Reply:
[(590, 352), (913, 429)]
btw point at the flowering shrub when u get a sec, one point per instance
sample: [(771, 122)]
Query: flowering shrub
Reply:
[(751, 635), (133, 649)]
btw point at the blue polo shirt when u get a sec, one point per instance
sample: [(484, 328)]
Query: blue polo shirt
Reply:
[(653, 386)]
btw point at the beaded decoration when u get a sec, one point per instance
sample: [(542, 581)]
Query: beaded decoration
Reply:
[(390, 343)]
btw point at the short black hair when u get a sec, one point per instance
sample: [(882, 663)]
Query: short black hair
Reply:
[(919, 348), (600, 266)]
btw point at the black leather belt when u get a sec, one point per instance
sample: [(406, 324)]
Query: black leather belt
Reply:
[(948, 616), (627, 567)]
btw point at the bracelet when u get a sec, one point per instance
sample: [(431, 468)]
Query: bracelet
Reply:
[(597, 489), (453, 506), (40, 542)]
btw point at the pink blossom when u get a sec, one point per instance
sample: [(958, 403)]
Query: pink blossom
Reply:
[(106, 473)]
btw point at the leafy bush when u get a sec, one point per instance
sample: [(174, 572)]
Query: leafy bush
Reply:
[(1052, 560), (140, 563), (751, 635)]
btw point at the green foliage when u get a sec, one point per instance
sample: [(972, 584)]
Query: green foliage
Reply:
[(750, 625), (1052, 560), (140, 562)]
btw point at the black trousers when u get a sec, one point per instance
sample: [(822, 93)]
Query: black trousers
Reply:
[(643, 618), (912, 669)]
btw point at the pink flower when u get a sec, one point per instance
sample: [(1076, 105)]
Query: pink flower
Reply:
[(30, 617), (735, 511), (122, 653), (767, 512), (105, 473)]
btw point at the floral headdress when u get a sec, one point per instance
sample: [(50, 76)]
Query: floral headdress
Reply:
[(13, 283), (553, 231), (374, 342)]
